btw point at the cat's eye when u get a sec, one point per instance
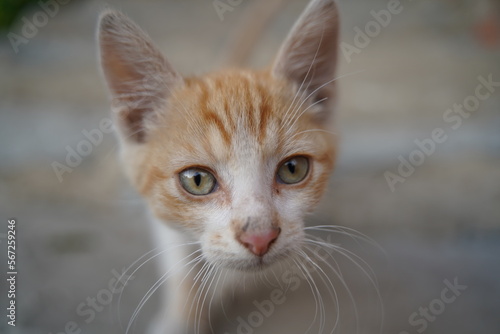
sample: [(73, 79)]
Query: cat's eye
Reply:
[(197, 181), (293, 170)]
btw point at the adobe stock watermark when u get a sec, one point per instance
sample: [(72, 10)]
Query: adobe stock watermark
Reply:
[(420, 319), (88, 309), (223, 6), (453, 118), (74, 156), (29, 29), (292, 280), (372, 29)]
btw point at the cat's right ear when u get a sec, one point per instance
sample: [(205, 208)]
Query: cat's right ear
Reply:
[(139, 77), (308, 57)]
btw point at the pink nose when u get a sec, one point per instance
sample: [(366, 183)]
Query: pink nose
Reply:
[(259, 242)]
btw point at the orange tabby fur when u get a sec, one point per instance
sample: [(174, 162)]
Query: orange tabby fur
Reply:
[(240, 126)]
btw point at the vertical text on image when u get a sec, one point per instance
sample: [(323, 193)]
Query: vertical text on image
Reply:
[(11, 272)]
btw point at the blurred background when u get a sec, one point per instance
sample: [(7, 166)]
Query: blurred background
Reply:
[(442, 224)]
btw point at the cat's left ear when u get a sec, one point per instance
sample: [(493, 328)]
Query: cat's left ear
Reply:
[(308, 57), (139, 77)]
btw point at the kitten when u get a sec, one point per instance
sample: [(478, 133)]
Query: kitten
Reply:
[(230, 162)]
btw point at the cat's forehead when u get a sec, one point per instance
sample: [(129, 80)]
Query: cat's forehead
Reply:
[(242, 100), (233, 113)]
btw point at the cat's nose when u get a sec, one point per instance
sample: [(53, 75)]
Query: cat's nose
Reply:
[(259, 242)]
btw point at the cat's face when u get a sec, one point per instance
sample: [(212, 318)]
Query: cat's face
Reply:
[(235, 158), (231, 154)]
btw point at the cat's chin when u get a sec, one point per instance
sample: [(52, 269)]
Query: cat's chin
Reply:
[(251, 265)]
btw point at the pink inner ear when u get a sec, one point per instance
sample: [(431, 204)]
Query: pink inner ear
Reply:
[(138, 75), (308, 56)]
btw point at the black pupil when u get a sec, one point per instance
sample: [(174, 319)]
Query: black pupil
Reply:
[(291, 166), (197, 179)]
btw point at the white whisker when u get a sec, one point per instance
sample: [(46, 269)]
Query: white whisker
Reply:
[(155, 287), (205, 267), (349, 232), (354, 258), (139, 267), (211, 302), (314, 293)]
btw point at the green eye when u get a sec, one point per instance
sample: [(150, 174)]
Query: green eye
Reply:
[(197, 181), (293, 170)]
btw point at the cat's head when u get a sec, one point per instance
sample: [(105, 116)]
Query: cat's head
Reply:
[(237, 157)]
